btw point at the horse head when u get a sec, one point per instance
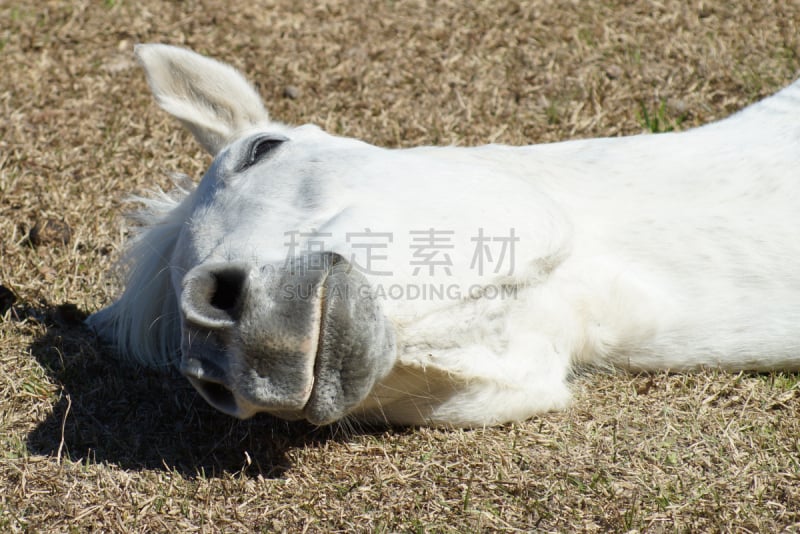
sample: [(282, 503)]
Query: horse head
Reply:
[(266, 284)]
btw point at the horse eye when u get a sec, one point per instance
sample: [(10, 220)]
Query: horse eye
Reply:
[(260, 148)]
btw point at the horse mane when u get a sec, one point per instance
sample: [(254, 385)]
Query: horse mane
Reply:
[(143, 323)]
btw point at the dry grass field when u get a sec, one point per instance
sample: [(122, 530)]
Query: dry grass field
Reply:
[(89, 443)]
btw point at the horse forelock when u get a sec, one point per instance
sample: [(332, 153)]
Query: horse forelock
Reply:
[(144, 322)]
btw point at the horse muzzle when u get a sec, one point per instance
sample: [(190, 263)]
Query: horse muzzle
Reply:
[(303, 340)]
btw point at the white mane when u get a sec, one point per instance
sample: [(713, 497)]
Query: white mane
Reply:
[(144, 321)]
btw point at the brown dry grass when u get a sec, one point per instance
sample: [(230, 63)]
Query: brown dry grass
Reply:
[(89, 444)]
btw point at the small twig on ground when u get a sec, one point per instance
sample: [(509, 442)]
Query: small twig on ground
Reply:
[(63, 426)]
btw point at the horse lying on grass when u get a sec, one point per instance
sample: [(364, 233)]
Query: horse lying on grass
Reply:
[(319, 277)]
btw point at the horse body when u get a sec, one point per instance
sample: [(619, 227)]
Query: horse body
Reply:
[(675, 251)]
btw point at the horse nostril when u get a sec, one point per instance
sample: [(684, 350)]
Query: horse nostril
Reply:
[(213, 295), (228, 288), (208, 379), (218, 396)]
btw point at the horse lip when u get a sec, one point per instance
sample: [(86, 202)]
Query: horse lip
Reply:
[(320, 334), (203, 370)]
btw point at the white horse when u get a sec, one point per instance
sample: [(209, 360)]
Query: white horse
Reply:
[(319, 277)]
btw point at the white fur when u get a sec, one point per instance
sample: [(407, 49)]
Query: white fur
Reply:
[(674, 251)]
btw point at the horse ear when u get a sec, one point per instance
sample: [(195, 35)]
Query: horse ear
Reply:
[(212, 99)]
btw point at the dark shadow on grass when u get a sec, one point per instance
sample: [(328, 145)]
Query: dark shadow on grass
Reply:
[(135, 418)]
